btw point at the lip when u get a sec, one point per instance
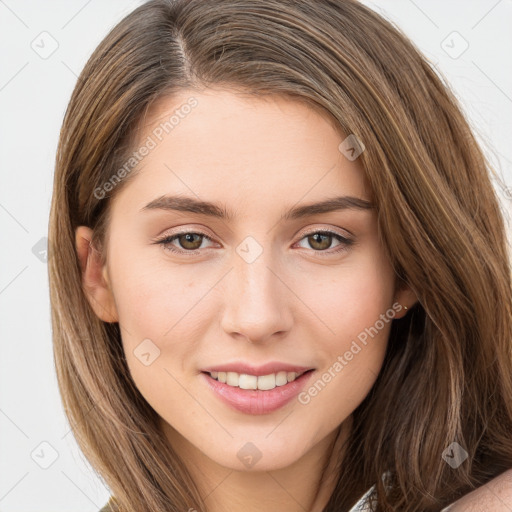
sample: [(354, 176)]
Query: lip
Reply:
[(257, 401), (265, 369)]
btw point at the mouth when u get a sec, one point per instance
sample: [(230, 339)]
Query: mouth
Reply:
[(256, 394), (256, 382)]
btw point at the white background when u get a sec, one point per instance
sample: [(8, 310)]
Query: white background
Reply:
[(34, 92)]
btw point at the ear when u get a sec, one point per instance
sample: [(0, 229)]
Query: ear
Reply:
[(405, 296), (95, 280)]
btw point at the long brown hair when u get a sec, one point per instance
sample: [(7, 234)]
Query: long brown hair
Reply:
[(447, 375)]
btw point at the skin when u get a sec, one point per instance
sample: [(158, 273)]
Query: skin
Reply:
[(495, 495), (258, 157)]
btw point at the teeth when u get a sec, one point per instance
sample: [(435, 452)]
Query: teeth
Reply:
[(232, 378), (282, 378), (263, 382), (266, 382), (246, 381)]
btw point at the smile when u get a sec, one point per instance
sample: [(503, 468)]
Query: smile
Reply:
[(275, 394), (262, 382)]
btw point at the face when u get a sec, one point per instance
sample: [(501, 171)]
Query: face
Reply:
[(271, 282)]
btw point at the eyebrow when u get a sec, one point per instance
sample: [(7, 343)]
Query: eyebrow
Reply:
[(192, 205)]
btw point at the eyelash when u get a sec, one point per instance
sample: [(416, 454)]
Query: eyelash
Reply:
[(345, 243)]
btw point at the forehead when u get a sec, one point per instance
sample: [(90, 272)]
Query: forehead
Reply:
[(231, 124), (221, 144), (228, 101)]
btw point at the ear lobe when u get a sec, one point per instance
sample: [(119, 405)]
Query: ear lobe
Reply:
[(94, 277), (405, 296)]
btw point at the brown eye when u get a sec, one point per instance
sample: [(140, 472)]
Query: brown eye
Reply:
[(320, 241), (188, 242)]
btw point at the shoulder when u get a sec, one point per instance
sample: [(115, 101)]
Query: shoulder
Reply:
[(495, 495)]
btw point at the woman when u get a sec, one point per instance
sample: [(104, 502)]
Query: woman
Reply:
[(279, 265)]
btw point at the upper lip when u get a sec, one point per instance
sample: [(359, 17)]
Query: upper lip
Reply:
[(265, 369)]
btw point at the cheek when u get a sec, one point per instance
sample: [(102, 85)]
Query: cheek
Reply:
[(160, 338), (352, 297), (152, 294), (157, 307), (356, 314)]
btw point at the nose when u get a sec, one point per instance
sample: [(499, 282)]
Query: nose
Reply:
[(256, 300)]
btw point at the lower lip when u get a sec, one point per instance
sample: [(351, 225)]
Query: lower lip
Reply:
[(257, 401)]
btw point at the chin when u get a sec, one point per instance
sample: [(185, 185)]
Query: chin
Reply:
[(255, 455)]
